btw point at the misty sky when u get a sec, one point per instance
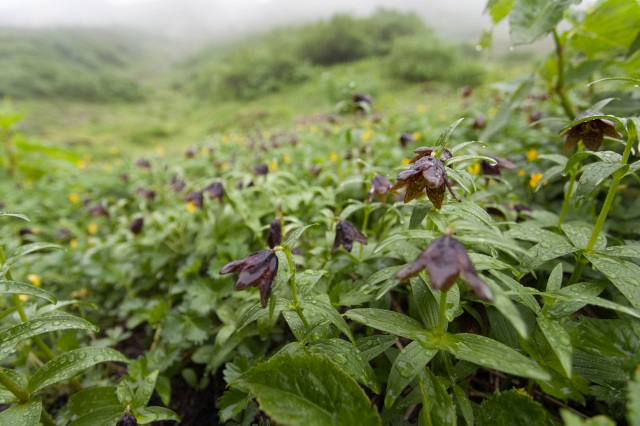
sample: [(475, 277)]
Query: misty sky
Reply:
[(201, 19)]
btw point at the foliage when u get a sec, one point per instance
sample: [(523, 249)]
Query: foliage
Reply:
[(505, 290)]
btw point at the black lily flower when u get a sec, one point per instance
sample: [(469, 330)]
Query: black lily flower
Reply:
[(445, 259), (406, 138), (97, 210), (147, 194), (215, 191), (379, 188), (127, 420), (143, 163), (136, 225), (591, 132), (489, 169), (479, 122), (274, 237), (346, 234), (427, 173), (195, 197), (260, 169), (176, 184), (256, 270)]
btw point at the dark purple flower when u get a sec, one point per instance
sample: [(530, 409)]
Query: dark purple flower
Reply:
[(143, 163), (406, 139), (274, 237), (136, 225), (427, 173), (147, 194), (260, 169), (489, 169), (379, 188), (479, 122), (346, 234), (535, 116), (190, 153), (256, 270), (97, 210), (445, 259), (215, 191), (591, 132), (195, 197), (176, 184), (127, 420), (466, 91)]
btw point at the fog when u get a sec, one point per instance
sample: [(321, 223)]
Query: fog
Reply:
[(199, 20)]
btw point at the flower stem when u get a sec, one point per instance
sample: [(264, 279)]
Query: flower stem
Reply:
[(13, 387), (365, 223), (567, 198), (292, 284), (442, 311), (559, 88)]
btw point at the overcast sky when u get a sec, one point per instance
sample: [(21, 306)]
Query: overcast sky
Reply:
[(198, 19)]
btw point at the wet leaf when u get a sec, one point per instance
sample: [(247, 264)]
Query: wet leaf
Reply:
[(25, 414), (407, 365)]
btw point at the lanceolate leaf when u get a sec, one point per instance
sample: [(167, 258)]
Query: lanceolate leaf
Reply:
[(491, 354), (25, 414), (633, 400), (7, 397), (388, 321), (147, 415), (544, 252), (103, 416), (293, 237), (14, 214), (443, 139), (440, 404), (559, 341), (425, 302), (15, 287), (372, 346), (592, 175), (88, 400), (144, 391), (30, 248), (308, 390), (623, 274), (407, 365), (19, 332), (69, 364), (321, 306)]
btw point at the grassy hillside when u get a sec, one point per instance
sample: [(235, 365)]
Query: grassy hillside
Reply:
[(97, 65)]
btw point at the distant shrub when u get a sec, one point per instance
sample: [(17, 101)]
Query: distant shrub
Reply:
[(385, 26), (423, 59)]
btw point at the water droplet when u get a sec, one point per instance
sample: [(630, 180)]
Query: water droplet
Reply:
[(565, 340), (404, 369), (478, 47), (5, 336), (56, 323), (369, 342), (35, 325), (358, 357), (340, 359)]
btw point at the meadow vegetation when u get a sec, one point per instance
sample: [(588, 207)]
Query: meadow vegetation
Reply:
[(362, 231)]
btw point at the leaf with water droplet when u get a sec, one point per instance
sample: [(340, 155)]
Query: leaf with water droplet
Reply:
[(144, 391), (321, 306), (579, 234), (90, 399), (155, 414), (7, 397), (437, 403), (67, 365), (406, 367), (25, 414), (19, 332), (372, 346), (14, 214), (388, 321), (15, 287), (623, 274), (101, 416), (559, 341)]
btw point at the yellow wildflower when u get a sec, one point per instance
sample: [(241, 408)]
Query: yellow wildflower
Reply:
[(532, 154), (92, 229), (286, 158), (421, 108), (34, 279), (441, 117), (74, 198), (73, 243), (313, 129), (535, 179), (23, 297), (159, 150), (405, 161), (366, 135), (522, 173), (114, 150), (417, 136), (107, 166), (191, 207), (83, 292), (492, 111), (273, 166), (474, 169), (333, 156), (81, 164)]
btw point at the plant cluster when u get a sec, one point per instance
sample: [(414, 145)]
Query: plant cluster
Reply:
[(353, 271)]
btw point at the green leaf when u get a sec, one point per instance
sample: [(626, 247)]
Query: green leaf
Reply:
[(472, 213), (347, 355), (492, 354), (91, 399), (7, 397), (443, 139), (633, 400), (623, 274), (410, 361), (574, 297), (256, 312), (15, 287), (525, 298), (308, 390), (153, 414), (439, 403), (508, 309), (30, 248), (388, 321), (554, 283), (571, 419), (321, 306), (14, 214), (499, 9), (372, 346), (25, 414), (294, 236), (510, 408), (501, 118), (58, 322), (579, 234), (501, 329), (623, 251), (592, 176), (530, 20), (103, 416), (419, 212), (307, 279), (144, 391), (70, 364), (232, 402), (411, 234), (425, 302), (559, 341), (464, 404), (544, 252), (374, 281)]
